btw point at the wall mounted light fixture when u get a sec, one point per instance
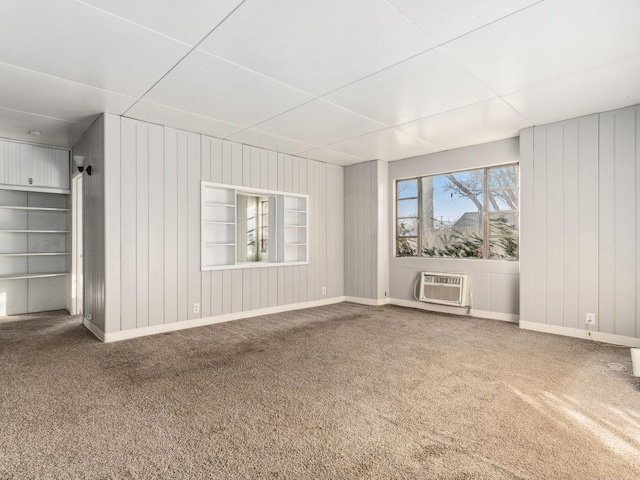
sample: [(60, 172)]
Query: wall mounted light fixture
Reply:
[(79, 161)]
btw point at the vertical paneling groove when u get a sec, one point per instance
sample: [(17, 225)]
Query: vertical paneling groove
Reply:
[(527, 209), (588, 201), (156, 226), (183, 227), (540, 225), (625, 221), (128, 183), (570, 221), (171, 226), (205, 173), (366, 232), (554, 224), (606, 248)]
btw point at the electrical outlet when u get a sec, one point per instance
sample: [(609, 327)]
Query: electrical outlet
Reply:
[(196, 308), (89, 316), (324, 290), (591, 318)]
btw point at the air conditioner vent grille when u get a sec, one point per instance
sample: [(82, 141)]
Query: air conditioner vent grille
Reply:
[(446, 289)]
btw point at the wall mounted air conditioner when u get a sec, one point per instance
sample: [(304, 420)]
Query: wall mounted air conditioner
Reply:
[(444, 288)]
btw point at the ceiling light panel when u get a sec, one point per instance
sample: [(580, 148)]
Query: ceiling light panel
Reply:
[(319, 123), (187, 22), (208, 86), (171, 117), (492, 118), (430, 83), (599, 90), (550, 41), (56, 132), (444, 20), (34, 92), (76, 42), (317, 46), (389, 144)]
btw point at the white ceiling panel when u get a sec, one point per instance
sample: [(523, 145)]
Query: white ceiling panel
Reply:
[(389, 144), (317, 46), (430, 83), (597, 90), (50, 96), (171, 117), (331, 156), (444, 20), (76, 42), (208, 86), (319, 123), (187, 22), (55, 132), (270, 142), (549, 41), (492, 118)]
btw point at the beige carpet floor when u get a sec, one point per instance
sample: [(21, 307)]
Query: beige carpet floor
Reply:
[(344, 391)]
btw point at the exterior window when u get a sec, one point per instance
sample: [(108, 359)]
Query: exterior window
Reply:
[(264, 225), (470, 214)]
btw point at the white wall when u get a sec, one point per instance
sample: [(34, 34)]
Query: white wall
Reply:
[(494, 283), (580, 223), (151, 229)]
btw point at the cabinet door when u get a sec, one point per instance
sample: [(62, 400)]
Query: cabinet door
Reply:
[(15, 163), (50, 168)]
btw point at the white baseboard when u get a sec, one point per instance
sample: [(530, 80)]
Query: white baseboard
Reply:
[(200, 322), (579, 333), (376, 302), (93, 329), (470, 312)]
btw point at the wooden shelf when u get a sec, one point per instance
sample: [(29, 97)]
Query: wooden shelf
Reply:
[(294, 244), (212, 204), (34, 254), (220, 223), (220, 244), (295, 226), (35, 231), (35, 209), (21, 276), (294, 211)]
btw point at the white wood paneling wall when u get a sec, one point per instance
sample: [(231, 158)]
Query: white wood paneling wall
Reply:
[(366, 225), (580, 222), (153, 239)]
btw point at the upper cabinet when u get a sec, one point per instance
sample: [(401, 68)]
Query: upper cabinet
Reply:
[(33, 167)]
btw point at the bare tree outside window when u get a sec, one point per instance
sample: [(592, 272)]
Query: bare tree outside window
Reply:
[(470, 214)]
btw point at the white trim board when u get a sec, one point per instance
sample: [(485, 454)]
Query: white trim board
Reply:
[(579, 333), (465, 311), (108, 337), (375, 302)]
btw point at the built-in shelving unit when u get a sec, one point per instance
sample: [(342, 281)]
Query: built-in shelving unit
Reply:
[(35, 253), (218, 226), (295, 229)]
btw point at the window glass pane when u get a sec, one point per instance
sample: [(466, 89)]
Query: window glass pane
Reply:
[(407, 227), (501, 200), (452, 214), (501, 177), (407, 246), (408, 188), (408, 208), (505, 248), (503, 224)]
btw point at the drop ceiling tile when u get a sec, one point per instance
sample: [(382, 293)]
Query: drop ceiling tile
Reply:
[(598, 90), (55, 132), (319, 123), (549, 41), (444, 20), (389, 144), (208, 86), (317, 46), (492, 118), (430, 83), (171, 117), (270, 142), (34, 92), (331, 156), (76, 42), (187, 22)]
